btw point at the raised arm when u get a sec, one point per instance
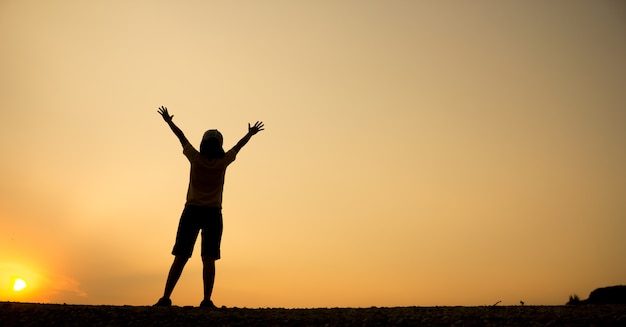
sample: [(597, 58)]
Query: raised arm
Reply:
[(258, 126), (168, 119)]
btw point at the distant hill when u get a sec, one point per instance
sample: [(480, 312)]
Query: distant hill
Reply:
[(603, 295)]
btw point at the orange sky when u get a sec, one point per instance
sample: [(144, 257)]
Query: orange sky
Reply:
[(415, 152)]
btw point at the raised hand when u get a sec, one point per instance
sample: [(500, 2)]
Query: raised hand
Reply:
[(166, 116), (258, 126), (168, 119)]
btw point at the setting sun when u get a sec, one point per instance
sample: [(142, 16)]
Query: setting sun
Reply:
[(19, 284)]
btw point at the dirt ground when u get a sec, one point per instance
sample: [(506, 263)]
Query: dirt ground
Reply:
[(32, 314)]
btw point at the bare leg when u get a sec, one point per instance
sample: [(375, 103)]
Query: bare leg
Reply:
[(208, 275), (175, 272)]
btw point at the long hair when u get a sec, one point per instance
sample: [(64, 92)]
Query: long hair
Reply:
[(212, 149)]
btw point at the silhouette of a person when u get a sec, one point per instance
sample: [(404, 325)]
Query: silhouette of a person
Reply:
[(203, 208)]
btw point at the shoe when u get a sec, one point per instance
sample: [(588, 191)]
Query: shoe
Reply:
[(163, 302), (208, 304)]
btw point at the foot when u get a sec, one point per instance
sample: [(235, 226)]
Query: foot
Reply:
[(163, 302), (208, 304)]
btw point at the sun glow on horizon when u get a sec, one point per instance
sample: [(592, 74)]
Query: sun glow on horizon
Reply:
[(34, 283), (19, 283)]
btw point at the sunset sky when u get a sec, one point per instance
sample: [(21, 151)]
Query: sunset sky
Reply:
[(416, 153)]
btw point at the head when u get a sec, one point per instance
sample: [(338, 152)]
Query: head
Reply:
[(211, 145)]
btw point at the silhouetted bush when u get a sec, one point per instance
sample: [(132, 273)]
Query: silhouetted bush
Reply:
[(573, 299)]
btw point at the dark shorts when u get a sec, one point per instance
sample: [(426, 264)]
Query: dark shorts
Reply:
[(194, 219)]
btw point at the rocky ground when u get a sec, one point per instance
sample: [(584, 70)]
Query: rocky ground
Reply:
[(31, 314)]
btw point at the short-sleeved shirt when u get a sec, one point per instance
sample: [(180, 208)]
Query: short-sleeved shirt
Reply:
[(206, 178)]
